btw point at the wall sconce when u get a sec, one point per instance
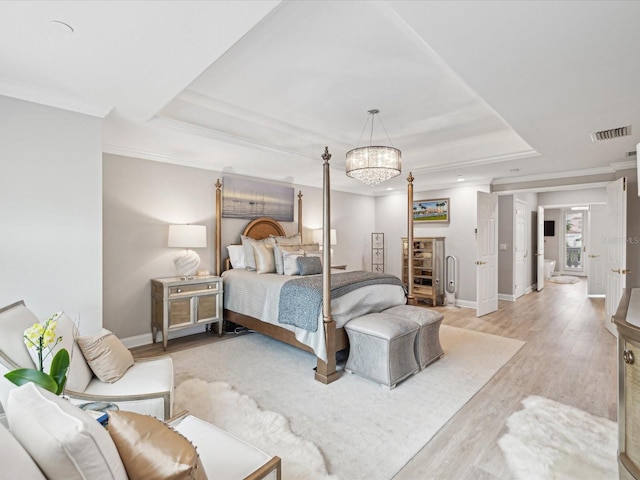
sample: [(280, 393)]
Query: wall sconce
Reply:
[(187, 237)]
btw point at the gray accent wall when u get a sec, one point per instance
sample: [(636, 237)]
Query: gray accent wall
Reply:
[(142, 198)]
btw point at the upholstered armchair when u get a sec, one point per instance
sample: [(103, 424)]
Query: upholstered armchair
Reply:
[(53, 439), (143, 386)]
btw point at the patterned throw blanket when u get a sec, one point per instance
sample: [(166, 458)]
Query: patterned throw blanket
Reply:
[(301, 298)]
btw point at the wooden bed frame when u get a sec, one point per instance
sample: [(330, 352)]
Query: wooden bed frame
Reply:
[(336, 338)]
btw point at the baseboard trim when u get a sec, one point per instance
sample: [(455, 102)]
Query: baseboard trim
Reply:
[(146, 338), (465, 303), (506, 297)]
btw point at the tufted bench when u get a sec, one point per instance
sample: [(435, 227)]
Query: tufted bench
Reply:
[(382, 348), (427, 348)]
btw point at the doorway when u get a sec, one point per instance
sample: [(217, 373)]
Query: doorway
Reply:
[(573, 241)]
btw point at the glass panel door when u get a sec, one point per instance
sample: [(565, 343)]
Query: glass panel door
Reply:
[(573, 241)]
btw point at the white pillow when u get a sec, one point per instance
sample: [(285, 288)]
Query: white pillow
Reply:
[(64, 441), (277, 253), (79, 374), (290, 261), (249, 256), (236, 256)]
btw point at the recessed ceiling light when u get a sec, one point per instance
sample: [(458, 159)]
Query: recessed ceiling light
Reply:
[(460, 178), (389, 188), (62, 27)]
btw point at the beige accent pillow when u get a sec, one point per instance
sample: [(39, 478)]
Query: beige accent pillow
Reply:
[(106, 355), (265, 261), (63, 440), (151, 449), (292, 240)]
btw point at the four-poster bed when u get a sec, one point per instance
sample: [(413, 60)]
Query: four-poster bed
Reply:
[(257, 290)]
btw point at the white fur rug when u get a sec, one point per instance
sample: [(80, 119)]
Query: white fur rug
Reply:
[(361, 429), (240, 415), (550, 440)]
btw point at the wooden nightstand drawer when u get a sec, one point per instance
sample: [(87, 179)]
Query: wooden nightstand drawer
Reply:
[(200, 287)]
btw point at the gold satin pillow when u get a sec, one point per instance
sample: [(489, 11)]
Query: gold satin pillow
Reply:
[(265, 259), (107, 356), (149, 448)]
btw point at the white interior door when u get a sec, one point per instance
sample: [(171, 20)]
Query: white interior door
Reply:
[(540, 251), (596, 254), (487, 254), (616, 246), (520, 251)]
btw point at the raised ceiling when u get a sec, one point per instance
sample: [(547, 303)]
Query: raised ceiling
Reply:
[(493, 91)]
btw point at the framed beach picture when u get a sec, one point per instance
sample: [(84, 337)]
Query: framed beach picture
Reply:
[(248, 199), (431, 211)]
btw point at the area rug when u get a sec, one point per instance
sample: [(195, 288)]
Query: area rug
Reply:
[(550, 440), (241, 416), (564, 279), (361, 429)]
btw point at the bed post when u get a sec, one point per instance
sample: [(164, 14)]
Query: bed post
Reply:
[(218, 228), (300, 213), (410, 298), (326, 371)]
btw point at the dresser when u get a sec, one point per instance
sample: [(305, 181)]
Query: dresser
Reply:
[(627, 320), (177, 303), (428, 268)]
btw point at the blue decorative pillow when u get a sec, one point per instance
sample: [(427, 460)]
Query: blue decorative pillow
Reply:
[(309, 265)]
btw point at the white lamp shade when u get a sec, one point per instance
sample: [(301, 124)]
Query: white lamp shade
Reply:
[(317, 236), (187, 236)]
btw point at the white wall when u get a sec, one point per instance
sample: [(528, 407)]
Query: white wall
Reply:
[(142, 197), (460, 239), (51, 211)]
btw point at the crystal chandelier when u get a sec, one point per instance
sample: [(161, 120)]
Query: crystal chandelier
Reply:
[(373, 164)]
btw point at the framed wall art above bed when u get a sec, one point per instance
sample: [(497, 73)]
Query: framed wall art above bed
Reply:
[(242, 198)]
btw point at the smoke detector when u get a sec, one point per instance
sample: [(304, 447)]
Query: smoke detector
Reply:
[(611, 133)]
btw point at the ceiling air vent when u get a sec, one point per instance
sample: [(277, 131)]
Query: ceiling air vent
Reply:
[(609, 134), (633, 153)]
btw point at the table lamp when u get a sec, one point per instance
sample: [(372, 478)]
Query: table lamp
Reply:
[(187, 237)]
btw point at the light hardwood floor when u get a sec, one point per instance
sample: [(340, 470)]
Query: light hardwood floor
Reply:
[(568, 357)]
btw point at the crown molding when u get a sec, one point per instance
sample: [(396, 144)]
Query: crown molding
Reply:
[(158, 157), (586, 172), (54, 99), (628, 165)]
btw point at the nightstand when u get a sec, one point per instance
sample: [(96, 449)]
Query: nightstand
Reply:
[(178, 304)]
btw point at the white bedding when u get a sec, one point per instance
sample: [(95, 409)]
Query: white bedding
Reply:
[(258, 296)]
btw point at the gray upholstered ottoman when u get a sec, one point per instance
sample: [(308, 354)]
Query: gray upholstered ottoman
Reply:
[(382, 348), (428, 348)]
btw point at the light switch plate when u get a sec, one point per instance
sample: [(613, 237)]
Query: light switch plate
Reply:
[(502, 247)]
